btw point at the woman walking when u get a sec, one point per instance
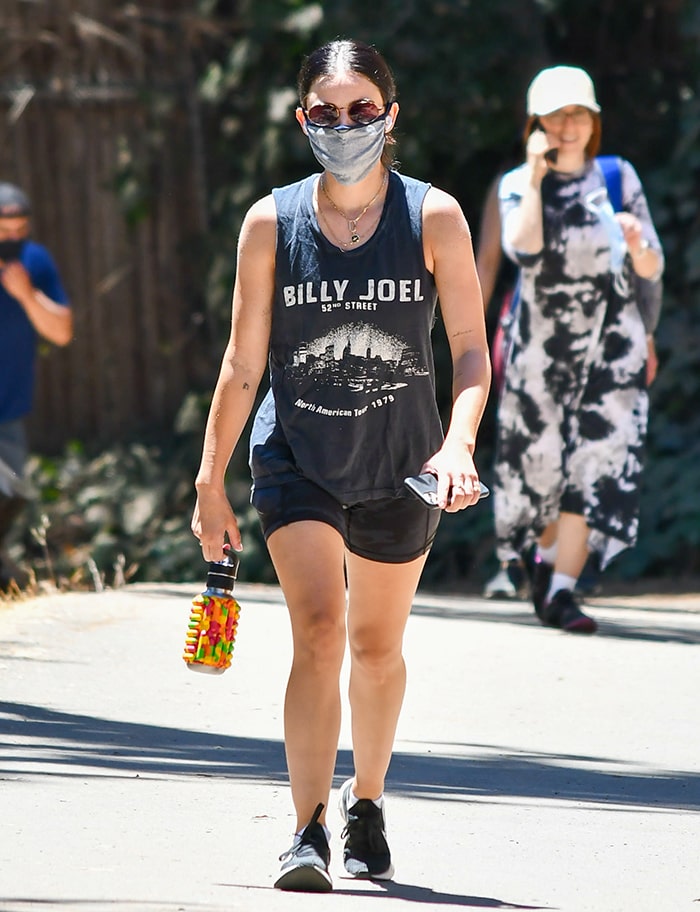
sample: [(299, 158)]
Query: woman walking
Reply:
[(336, 288), (573, 414)]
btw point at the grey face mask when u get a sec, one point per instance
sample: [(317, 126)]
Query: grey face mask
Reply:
[(349, 153)]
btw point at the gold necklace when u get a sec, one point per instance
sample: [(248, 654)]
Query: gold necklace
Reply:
[(352, 222), (336, 240), (333, 237)]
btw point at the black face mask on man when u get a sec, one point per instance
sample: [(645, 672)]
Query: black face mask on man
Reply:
[(11, 250)]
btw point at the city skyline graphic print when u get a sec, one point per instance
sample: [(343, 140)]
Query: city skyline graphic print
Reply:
[(357, 357)]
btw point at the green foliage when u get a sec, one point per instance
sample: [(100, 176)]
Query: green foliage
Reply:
[(130, 185), (249, 112), (126, 511), (462, 68), (670, 531)]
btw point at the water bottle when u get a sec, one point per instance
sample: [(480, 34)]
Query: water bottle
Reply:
[(211, 632)]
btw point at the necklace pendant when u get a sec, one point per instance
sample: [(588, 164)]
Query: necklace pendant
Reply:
[(354, 238)]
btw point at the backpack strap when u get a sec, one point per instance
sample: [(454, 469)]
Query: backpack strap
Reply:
[(649, 294), (611, 166)]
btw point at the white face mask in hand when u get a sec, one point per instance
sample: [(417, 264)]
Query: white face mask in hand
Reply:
[(348, 153), (598, 203)]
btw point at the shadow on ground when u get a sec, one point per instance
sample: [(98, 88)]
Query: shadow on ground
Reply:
[(406, 892), (37, 742), (685, 631), (678, 624)]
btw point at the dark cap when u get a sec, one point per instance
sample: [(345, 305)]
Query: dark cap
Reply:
[(222, 574), (13, 201)]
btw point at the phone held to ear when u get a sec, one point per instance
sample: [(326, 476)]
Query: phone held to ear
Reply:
[(551, 154), (424, 487)]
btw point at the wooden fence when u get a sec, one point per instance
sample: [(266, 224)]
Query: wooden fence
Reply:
[(99, 123)]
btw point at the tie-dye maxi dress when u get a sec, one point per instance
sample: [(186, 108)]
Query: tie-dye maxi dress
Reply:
[(573, 412)]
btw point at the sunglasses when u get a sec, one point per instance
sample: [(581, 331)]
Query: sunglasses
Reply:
[(363, 111)]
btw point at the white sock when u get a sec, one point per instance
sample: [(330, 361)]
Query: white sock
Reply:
[(379, 802), (548, 555), (560, 581)]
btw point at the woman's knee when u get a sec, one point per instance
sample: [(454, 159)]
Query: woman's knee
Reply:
[(319, 639), (374, 656)]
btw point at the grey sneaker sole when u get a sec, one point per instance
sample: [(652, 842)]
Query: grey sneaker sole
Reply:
[(305, 879)]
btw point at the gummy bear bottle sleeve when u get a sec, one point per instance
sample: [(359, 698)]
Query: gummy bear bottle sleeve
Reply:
[(213, 622)]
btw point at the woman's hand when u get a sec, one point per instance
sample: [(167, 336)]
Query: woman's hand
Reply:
[(458, 480), (538, 145), (213, 522), (632, 230), (645, 260)]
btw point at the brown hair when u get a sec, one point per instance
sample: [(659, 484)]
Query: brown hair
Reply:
[(344, 55), (593, 144)]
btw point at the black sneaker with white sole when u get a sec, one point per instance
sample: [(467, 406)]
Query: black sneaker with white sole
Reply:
[(563, 611), (366, 854), (305, 865)]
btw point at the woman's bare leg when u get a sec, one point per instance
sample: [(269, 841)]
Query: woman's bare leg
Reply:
[(380, 599), (309, 561), (572, 545), (549, 536)]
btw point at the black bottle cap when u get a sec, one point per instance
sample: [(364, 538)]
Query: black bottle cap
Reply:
[(222, 574)]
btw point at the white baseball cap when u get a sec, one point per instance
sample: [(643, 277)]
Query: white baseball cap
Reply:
[(559, 86)]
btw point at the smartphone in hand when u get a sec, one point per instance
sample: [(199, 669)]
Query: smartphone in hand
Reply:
[(424, 487), (551, 156)]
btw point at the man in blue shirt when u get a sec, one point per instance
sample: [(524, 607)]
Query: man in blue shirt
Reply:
[(32, 304)]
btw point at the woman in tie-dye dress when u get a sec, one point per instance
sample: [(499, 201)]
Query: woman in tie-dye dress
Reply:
[(573, 413)]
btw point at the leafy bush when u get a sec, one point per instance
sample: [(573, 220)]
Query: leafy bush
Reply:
[(124, 514)]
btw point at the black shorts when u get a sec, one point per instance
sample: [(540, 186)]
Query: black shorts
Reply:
[(392, 530)]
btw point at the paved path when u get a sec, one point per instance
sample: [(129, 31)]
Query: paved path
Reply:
[(533, 770)]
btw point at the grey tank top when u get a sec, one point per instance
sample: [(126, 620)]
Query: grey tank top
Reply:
[(351, 404)]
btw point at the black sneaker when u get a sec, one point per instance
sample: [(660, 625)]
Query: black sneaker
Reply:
[(366, 854), (305, 865), (563, 611), (540, 578)]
